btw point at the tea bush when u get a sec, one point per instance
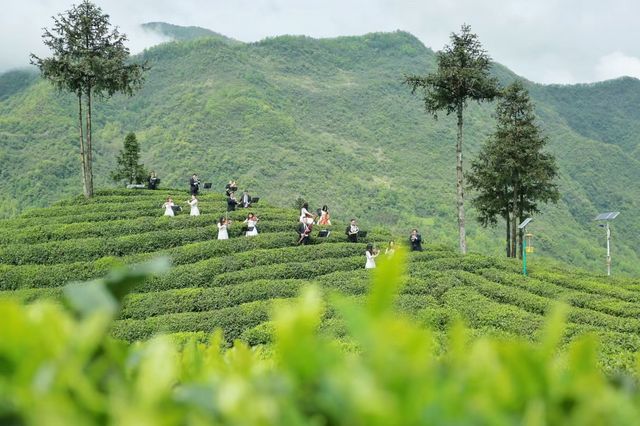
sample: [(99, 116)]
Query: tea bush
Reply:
[(383, 369), (211, 280)]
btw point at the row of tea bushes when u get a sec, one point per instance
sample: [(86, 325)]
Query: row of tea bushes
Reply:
[(344, 360), (142, 206), (85, 249), (138, 225)]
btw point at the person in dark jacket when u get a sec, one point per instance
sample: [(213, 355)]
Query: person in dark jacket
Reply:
[(231, 202), (153, 181), (232, 186), (304, 231), (194, 184), (415, 240)]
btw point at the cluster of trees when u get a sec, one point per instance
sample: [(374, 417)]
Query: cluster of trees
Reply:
[(512, 173)]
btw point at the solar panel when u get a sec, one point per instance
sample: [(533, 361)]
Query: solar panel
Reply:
[(607, 216), (525, 223)]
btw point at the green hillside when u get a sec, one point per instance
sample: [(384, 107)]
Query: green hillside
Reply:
[(233, 284), (330, 120), (178, 32)]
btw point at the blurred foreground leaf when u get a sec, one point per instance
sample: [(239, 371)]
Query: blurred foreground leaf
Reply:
[(106, 294)]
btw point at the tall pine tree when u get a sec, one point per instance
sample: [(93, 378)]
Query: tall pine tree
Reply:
[(512, 172), (89, 59), (128, 168), (462, 75)]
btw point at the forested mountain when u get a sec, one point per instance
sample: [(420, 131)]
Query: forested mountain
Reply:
[(331, 121), (178, 32)]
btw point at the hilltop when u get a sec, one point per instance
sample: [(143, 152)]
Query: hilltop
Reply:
[(329, 120), (233, 284), (178, 32)]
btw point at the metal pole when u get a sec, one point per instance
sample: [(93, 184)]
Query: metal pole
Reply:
[(608, 250), (524, 252)]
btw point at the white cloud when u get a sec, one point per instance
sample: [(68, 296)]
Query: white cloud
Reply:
[(547, 41), (140, 38), (617, 64)]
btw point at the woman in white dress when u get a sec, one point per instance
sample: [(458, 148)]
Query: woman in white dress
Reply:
[(168, 210), (195, 211), (305, 214), (223, 226), (251, 222), (371, 255)]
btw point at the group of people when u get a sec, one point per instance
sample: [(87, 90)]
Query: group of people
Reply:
[(170, 207), (245, 200), (307, 219), (224, 222), (231, 188), (251, 226), (415, 243)]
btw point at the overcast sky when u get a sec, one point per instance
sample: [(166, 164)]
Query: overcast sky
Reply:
[(545, 41)]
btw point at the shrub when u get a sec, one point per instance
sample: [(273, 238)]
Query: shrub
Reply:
[(590, 286), (93, 248), (22, 276), (480, 311), (301, 270), (234, 321), (145, 305), (110, 228), (573, 297), (384, 368), (256, 264)]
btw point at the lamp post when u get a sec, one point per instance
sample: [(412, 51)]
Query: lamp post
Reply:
[(606, 217), (523, 228)]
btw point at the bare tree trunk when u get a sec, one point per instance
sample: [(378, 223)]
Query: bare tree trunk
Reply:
[(460, 185), (520, 231), (82, 157), (513, 234), (508, 242), (507, 218), (88, 150), (514, 222)]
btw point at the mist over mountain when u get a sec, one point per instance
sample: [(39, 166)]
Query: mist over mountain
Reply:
[(331, 121)]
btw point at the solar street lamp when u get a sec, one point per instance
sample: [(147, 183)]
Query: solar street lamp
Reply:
[(523, 228), (606, 217)]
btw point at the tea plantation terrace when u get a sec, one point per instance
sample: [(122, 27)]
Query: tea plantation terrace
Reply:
[(232, 284)]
